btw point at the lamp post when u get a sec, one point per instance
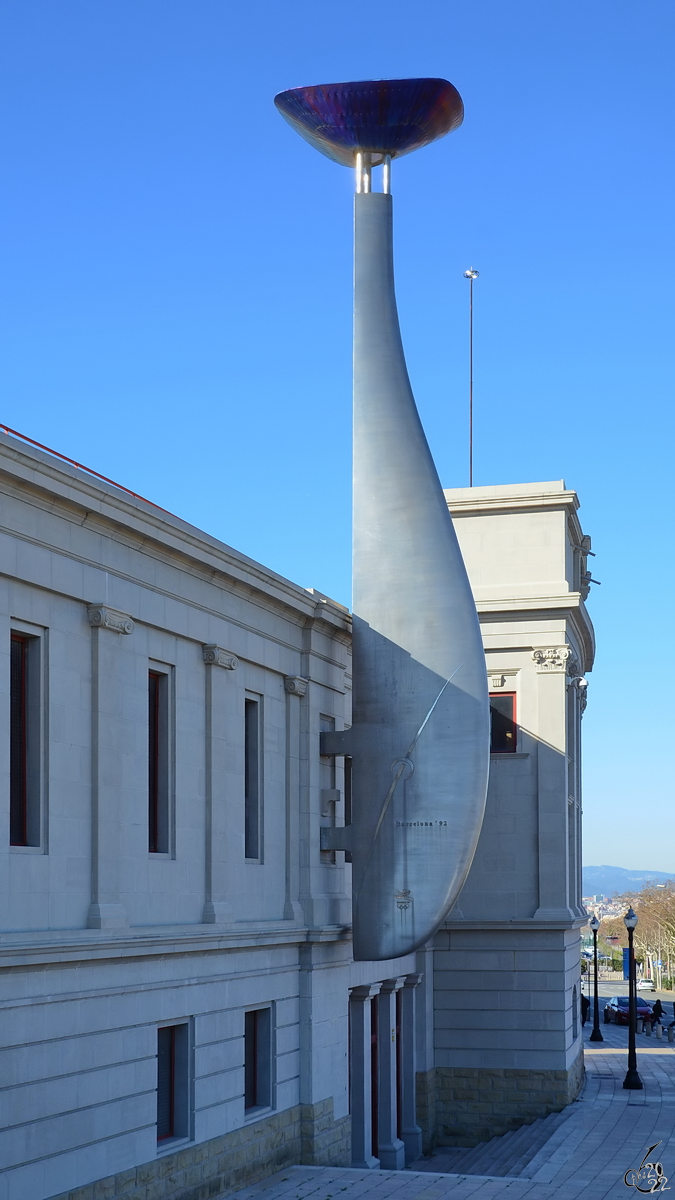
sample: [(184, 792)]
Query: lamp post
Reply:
[(632, 1079), (471, 274), (596, 1035)]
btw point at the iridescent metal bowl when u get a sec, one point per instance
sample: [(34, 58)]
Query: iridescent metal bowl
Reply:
[(378, 116)]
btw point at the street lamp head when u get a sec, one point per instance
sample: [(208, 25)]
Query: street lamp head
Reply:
[(630, 920), (471, 273), (594, 923)]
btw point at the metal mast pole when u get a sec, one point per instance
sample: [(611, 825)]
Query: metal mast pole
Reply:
[(471, 274), (632, 1080), (596, 1035)]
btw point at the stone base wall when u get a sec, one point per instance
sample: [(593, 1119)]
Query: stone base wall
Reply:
[(306, 1134), (472, 1105), (426, 1108)]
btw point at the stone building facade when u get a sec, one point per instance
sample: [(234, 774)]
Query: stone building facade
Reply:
[(180, 1007), (506, 964), (175, 967)]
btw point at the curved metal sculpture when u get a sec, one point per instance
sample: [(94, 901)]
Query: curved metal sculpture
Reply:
[(379, 116), (420, 734)]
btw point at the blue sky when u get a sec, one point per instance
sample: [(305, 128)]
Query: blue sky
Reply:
[(176, 279)]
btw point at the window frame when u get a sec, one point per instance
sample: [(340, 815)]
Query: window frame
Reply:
[(514, 719), (181, 1084), (327, 788), (161, 749), (253, 702), (33, 818), (263, 1037)]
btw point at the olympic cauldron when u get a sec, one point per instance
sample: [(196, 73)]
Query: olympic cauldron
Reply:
[(419, 741)]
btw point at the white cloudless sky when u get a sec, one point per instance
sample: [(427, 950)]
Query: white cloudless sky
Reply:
[(175, 292)]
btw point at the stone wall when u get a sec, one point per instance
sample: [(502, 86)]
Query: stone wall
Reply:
[(306, 1134), (325, 1142), (426, 1108), (472, 1105)]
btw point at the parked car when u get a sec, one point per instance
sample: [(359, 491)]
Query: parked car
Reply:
[(616, 1010), (646, 985)]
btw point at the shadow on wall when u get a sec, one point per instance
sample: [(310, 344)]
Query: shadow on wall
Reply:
[(528, 859), (507, 1038)]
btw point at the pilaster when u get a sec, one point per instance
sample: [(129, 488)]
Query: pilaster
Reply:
[(109, 628), (361, 1077), (220, 667), (391, 1149), (411, 1134), (553, 842), (295, 688)]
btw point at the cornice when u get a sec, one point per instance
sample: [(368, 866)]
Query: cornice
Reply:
[(81, 946), (474, 502), (570, 606), (529, 603), (525, 923), (75, 496)]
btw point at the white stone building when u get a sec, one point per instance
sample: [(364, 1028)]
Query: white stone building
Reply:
[(180, 1008), (507, 1043), (175, 967)]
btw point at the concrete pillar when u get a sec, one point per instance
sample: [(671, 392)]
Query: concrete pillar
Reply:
[(219, 664), (110, 630), (391, 1149), (411, 1134), (361, 1090)]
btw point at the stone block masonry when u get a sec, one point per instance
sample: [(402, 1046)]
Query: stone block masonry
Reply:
[(324, 1141), (306, 1134), (468, 1105)]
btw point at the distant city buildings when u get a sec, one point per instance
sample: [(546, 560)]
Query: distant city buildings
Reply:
[(602, 906)]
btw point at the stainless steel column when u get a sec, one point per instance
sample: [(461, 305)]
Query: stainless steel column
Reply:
[(420, 718)]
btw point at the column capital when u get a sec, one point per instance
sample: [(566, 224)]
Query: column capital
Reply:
[(295, 685), (559, 660), (393, 985), (102, 617), (412, 981), (216, 656), (365, 991)]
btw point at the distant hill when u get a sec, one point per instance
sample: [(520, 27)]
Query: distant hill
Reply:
[(605, 881)]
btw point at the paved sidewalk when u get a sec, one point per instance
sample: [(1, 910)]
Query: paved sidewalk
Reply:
[(607, 1133)]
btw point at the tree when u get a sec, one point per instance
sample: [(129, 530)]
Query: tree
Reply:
[(655, 932)]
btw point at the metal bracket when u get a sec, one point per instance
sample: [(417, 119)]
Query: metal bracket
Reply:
[(329, 796), (335, 742), (334, 838)]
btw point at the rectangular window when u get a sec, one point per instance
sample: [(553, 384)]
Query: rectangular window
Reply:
[(25, 741), (258, 1058), (327, 779), (503, 722), (173, 1090), (252, 789), (158, 763)]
